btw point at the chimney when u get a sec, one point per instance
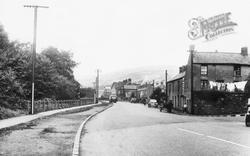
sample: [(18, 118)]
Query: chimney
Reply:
[(180, 69), (244, 51), (184, 68)]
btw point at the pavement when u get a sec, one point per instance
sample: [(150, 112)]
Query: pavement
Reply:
[(133, 129), (27, 118)]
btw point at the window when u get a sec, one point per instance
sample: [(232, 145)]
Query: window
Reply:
[(237, 71), (182, 86), (169, 89), (178, 86), (203, 69), (204, 84)]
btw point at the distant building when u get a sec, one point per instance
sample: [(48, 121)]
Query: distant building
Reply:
[(114, 88), (117, 89), (130, 90), (145, 90), (124, 89), (107, 92)]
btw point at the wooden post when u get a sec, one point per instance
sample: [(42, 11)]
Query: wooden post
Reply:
[(192, 79), (166, 83)]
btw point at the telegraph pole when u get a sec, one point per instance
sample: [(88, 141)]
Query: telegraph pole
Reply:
[(34, 52), (94, 84), (166, 83), (192, 78), (153, 85), (97, 86)]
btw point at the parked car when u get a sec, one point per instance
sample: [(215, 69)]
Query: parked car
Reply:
[(113, 98), (152, 103), (143, 101), (133, 100), (247, 119)]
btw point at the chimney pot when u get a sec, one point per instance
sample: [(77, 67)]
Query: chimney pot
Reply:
[(180, 69), (244, 51)]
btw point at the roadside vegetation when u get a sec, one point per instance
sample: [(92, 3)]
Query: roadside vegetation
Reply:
[(158, 95), (54, 77)]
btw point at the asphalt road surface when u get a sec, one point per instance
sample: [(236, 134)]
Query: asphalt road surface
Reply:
[(135, 130)]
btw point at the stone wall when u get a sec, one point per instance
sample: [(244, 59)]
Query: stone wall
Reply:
[(209, 102)]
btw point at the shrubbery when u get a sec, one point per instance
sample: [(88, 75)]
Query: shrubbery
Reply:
[(53, 73)]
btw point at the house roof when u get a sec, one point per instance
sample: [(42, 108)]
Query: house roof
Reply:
[(114, 85), (178, 76), (220, 58), (130, 87)]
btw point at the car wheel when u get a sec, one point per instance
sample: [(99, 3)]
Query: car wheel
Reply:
[(247, 123), (247, 120)]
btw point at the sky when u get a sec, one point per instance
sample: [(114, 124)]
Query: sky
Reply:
[(113, 35)]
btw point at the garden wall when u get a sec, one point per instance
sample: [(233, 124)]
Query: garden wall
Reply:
[(210, 102)]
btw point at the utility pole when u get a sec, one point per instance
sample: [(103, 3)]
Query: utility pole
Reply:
[(34, 52), (97, 86), (153, 85), (94, 84), (166, 79), (192, 78)]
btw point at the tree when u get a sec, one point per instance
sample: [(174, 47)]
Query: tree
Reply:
[(247, 87), (53, 73), (62, 76), (87, 92), (158, 95), (61, 60), (10, 88), (4, 40)]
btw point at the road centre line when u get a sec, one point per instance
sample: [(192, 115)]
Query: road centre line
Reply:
[(185, 130), (228, 141), (215, 138)]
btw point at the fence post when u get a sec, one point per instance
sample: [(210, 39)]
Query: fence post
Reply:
[(54, 105), (49, 105), (43, 106), (29, 105)]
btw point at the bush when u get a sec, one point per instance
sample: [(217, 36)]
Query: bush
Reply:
[(7, 113)]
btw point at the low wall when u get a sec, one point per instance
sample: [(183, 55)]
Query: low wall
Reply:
[(219, 103), (45, 105)]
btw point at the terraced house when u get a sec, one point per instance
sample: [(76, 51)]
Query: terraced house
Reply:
[(176, 89), (212, 83)]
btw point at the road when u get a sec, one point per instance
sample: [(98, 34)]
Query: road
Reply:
[(133, 129)]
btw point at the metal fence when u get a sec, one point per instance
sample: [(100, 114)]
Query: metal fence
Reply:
[(47, 104)]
